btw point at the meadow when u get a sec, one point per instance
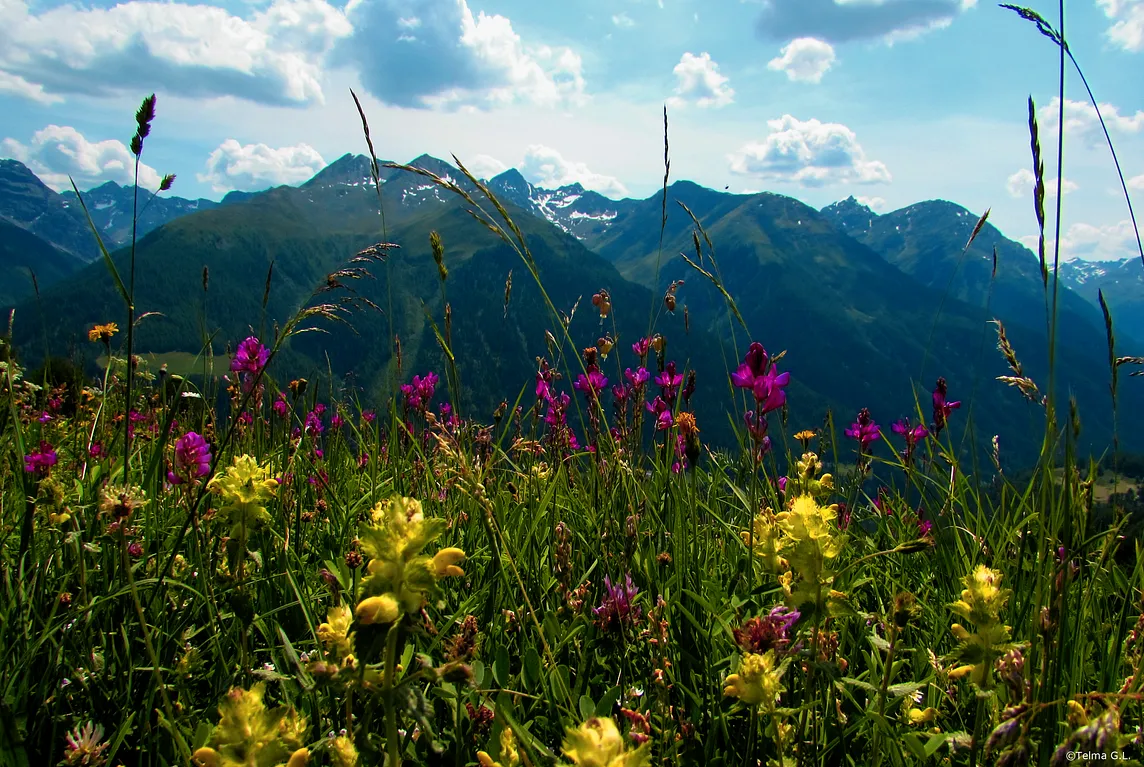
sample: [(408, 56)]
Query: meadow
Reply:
[(308, 576)]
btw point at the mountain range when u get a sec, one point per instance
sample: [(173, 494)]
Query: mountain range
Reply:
[(870, 308)]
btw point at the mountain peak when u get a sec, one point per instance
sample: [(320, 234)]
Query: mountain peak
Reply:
[(348, 169), (434, 165), (850, 216)]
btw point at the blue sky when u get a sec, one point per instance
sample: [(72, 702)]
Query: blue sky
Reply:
[(892, 101)]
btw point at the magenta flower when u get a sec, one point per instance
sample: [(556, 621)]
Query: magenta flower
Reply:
[(942, 408), (754, 365), (768, 632), (756, 426), (280, 406), (663, 418), (418, 393), (245, 418), (42, 460), (641, 347), (368, 416), (591, 384), (764, 381), (912, 435), (313, 425), (192, 459), (617, 610), (669, 382), (638, 378), (864, 431), (96, 450), (250, 357), (337, 422), (44, 417)]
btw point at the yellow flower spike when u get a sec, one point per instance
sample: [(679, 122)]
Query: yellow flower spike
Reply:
[(598, 743), (445, 563), (334, 633), (244, 488), (960, 671), (960, 632), (509, 756), (378, 610), (343, 752), (249, 733), (299, 758), (758, 681)]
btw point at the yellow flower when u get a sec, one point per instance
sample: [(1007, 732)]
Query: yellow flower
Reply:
[(598, 743), (248, 733), (334, 633), (343, 752), (244, 488), (509, 756), (380, 609), (103, 332), (1077, 716), (759, 680), (765, 538), (917, 715), (399, 573), (445, 563), (981, 603), (982, 599), (810, 540)]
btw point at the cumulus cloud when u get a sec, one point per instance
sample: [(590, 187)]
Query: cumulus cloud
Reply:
[(1094, 243), (14, 85), (698, 82), (805, 59), (1127, 30), (1020, 184), (808, 153), (623, 20), (252, 167), (485, 166), (838, 21), (876, 204), (58, 151), (1136, 182), (546, 167), (1082, 122), (274, 55), (444, 56)]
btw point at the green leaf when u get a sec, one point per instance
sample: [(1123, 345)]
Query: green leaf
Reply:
[(905, 688), (914, 744), (102, 248), (860, 683), (587, 707), (607, 703), (936, 741), (501, 667), (531, 668)]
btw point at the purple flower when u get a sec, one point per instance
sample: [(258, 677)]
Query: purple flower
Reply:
[(617, 610), (663, 418), (135, 549), (313, 423), (337, 422), (756, 426), (669, 382), (418, 393), (192, 459), (95, 450), (281, 408), (864, 431), (942, 408), (754, 365), (764, 381), (42, 460), (638, 378), (768, 632), (250, 357), (912, 435), (368, 416), (641, 347), (44, 417), (245, 418), (591, 384)]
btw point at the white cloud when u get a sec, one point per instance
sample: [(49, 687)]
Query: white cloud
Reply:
[(623, 20), (1127, 30), (1136, 182), (1020, 184), (273, 56), (58, 151), (1082, 122), (14, 85), (546, 167), (839, 21), (808, 153), (804, 59), (484, 166), (453, 59), (1093, 243), (876, 204), (252, 167), (698, 81)]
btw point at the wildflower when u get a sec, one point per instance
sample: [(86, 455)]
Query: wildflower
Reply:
[(419, 391), (95, 450), (192, 459), (121, 502), (103, 332), (912, 435), (598, 743), (335, 631), (85, 746), (764, 538), (662, 411), (250, 357), (617, 611), (337, 421), (400, 576), (638, 378), (758, 681), (669, 381), (864, 431), (805, 436), (509, 756), (591, 384), (313, 425), (281, 407), (41, 461), (641, 347), (603, 302), (368, 416), (942, 408), (810, 541), (769, 632), (248, 733), (45, 417), (605, 346), (754, 365), (981, 603), (244, 488)]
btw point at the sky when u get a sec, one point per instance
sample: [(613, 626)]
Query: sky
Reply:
[(891, 101)]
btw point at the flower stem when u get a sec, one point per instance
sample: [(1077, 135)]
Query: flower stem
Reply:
[(392, 740)]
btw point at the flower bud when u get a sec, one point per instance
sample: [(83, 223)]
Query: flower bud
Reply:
[(374, 610)]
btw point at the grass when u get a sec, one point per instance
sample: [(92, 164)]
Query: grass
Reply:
[(304, 580)]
